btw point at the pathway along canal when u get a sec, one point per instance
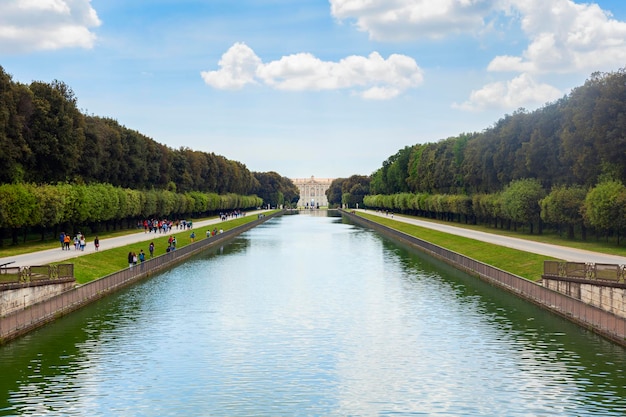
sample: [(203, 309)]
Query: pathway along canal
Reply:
[(310, 315)]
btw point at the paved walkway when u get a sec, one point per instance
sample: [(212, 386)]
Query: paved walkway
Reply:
[(56, 255), (559, 252)]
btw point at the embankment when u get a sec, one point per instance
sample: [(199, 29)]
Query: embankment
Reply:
[(25, 320), (593, 318)]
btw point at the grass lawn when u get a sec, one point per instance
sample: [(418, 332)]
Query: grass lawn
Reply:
[(105, 262), (524, 264)]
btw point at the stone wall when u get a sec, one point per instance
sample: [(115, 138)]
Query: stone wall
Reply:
[(20, 296), (592, 317), (611, 298)]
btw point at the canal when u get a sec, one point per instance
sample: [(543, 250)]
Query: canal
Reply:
[(311, 315)]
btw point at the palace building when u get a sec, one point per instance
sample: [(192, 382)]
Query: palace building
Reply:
[(313, 191)]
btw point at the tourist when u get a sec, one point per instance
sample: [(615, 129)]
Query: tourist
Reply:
[(130, 259), (151, 249), (142, 256), (192, 236), (96, 243), (62, 239)]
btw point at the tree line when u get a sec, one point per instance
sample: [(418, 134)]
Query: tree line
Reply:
[(572, 152), (522, 203), (67, 168), (70, 207), (574, 141), (46, 139)]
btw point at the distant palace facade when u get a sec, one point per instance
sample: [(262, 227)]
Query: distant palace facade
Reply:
[(312, 191)]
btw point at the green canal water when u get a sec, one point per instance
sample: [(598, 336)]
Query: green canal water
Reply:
[(309, 315)]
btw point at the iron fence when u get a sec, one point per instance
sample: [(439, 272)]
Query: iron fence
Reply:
[(585, 271)]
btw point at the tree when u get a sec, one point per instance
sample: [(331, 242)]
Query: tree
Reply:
[(354, 189), (564, 206), (16, 208), (605, 207), (275, 190), (334, 192), (54, 133), (520, 201)]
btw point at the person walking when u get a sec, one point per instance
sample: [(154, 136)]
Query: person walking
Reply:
[(62, 239), (96, 243)]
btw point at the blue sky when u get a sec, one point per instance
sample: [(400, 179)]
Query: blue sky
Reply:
[(310, 87)]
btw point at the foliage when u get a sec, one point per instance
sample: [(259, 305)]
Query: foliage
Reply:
[(520, 201), (564, 207), (349, 191), (276, 190), (73, 205), (45, 139), (605, 206)]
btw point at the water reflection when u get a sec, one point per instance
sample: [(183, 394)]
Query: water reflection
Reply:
[(308, 315)]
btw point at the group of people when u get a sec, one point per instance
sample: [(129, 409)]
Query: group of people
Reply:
[(233, 215), (133, 258), (213, 232), (79, 241), (163, 226)]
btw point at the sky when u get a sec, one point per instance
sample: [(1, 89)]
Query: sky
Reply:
[(324, 88)]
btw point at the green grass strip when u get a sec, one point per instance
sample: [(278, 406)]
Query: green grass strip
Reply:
[(524, 264), (104, 262)]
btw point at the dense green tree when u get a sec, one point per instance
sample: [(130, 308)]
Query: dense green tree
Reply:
[(605, 207), (17, 208), (334, 192), (520, 201), (14, 148), (54, 133), (354, 189), (563, 207), (276, 190)]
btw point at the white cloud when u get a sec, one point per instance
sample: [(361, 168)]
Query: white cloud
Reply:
[(563, 37), (28, 25), (237, 68), (566, 37), (373, 76), (521, 91), (393, 20)]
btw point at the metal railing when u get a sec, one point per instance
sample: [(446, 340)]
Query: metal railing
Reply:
[(585, 271)]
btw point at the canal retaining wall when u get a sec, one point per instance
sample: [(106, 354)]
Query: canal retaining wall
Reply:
[(601, 285), (18, 296), (591, 317), (22, 321)]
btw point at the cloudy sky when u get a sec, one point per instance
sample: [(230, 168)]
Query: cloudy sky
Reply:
[(328, 88)]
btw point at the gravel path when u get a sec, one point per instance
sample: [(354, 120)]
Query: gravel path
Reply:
[(56, 255), (559, 252)]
